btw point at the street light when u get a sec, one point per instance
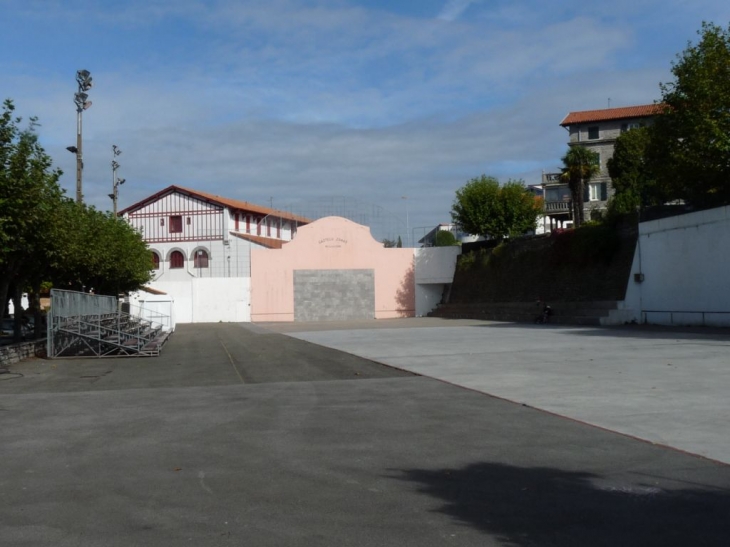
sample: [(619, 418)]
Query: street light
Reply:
[(83, 79), (116, 182)]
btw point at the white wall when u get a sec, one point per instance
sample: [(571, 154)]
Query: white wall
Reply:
[(435, 264), (206, 300), (685, 262), (434, 269)]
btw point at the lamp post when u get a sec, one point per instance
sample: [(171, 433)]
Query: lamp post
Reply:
[(116, 182), (83, 78)]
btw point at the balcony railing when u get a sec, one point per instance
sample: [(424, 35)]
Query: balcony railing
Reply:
[(557, 206)]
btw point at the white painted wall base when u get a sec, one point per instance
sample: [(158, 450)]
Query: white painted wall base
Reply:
[(684, 262), (434, 269), (209, 300)]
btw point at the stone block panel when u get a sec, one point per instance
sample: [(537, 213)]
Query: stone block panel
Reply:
[(334, 295)]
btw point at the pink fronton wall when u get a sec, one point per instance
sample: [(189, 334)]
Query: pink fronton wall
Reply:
[(331, 243)]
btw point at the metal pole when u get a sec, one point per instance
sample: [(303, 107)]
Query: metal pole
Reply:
[(79, 157), (114, 180), (83, 78)]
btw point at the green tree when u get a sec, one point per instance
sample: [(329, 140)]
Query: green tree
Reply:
[(632, 178), (484, 208), (579, 165), (690, 142), (389, 243), (445, 238), (45, 236), (399, 244), (100, 251), (29, 193)]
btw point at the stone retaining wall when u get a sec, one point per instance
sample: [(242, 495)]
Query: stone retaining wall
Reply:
[(14, 353)]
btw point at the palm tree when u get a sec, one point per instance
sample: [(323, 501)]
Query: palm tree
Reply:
[(579, 165)]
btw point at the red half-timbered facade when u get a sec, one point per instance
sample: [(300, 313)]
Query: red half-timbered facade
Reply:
[(178, 214), (201, 249)]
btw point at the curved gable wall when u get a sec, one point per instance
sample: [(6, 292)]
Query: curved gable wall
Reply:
[(331, 244)]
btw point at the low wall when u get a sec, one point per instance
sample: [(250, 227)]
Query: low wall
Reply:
[(14, 353)]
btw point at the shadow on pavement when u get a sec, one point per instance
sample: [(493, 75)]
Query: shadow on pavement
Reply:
[(652, 332), (543, 506)]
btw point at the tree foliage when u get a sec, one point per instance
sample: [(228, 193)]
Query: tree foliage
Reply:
[(483, 207), (690, 142), (633, 179), (579, 165), (445, 238), (45, 237)]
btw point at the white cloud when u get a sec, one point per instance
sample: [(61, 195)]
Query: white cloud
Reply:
[(295, 100), (454, 8)]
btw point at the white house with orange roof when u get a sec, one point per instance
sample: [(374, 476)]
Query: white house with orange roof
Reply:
[(201, 249)]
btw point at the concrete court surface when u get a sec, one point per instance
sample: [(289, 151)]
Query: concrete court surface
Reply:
[(665, 385), (237, 435)]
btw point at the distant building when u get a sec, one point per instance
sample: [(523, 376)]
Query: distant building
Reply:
[(429, 240), (596, 130)]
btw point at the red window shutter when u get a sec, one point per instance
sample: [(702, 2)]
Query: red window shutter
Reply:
[(176, 225), (177, 260)]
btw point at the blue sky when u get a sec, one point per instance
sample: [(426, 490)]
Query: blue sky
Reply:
[(290, 101)]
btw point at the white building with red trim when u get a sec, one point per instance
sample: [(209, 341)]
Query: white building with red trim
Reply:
[(201, 247)]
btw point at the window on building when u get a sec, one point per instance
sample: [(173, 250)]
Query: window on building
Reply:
[(176, 225), (155, 261), (593, 132), (201, 259), (177, 260), (628, 126), (597, 191)]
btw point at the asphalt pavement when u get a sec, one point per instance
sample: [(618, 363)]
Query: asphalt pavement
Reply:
[(241, 435)]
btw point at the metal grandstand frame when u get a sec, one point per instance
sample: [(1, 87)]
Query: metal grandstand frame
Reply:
[(89, 325)]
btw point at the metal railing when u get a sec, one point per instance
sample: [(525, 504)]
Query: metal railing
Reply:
[(686, 317), (557, 206)]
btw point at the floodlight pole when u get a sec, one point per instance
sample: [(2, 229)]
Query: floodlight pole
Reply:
[(83, 78), (115, 181), (79, 157)]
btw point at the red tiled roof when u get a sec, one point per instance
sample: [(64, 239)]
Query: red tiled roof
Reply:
[(231, 203), (151, 290), (268, 242), (585, 116)]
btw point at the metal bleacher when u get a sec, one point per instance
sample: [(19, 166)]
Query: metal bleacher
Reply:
[(89, 325)]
